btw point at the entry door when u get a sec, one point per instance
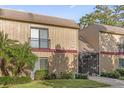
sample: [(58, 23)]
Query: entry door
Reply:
[(88, 63)]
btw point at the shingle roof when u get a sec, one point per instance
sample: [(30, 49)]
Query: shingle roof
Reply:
[(36, 18), (108, 28)]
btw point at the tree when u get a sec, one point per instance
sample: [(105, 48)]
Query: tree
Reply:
[(16, 59), (5, 46), (109, 15), (24, 59), (119, 15)]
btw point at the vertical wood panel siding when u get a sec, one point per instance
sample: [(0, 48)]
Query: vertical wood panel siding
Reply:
[(109, 52), (66, 38)]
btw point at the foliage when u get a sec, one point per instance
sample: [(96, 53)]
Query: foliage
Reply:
[(81, 76), (21, 80), (15, 59), (66, 75), (73, 83), (59, 84), (119, 14), (121, 78), (120, 71), (113, 74), (41, 75), (25, 59), (53, 76), (6, 80), (5, 47), (109, 15), (14, 80)]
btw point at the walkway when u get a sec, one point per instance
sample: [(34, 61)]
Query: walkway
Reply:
[(115, 83)]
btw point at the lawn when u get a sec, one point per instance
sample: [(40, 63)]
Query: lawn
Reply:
[(121, 78), (60, 84)]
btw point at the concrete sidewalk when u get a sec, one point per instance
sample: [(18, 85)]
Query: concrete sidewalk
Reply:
[(115, 83)]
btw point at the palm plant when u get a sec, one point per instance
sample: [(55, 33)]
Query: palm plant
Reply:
[(25, 59), (15, 59), (5, 47)]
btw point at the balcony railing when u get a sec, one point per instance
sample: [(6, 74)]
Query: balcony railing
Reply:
[(39, 43)]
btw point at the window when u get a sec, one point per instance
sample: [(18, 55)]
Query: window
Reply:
[(121, 45), (44, 63), (121, 62), (39, 38)]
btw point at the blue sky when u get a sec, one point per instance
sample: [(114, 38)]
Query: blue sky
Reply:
[(64, 11)]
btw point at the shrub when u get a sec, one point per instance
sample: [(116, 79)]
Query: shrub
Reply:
[(120, 71), (53, 76), (41, 75), (6, 80), (113, 74), (65, 75), (21, 80), (81, 76), (14, 80), (103, 74)]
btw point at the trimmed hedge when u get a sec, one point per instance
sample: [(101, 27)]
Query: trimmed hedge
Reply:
[(81, 76), (120, 71), (65, 75), (14, 80), (113, 74), (41, 75)]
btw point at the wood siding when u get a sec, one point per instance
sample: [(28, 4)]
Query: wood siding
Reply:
[(64, 38), (109, 52)]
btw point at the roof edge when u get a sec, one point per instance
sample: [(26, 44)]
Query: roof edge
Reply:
[(9, 14)]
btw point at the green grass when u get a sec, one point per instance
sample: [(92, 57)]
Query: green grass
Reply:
[(121, 78), (60, 84)]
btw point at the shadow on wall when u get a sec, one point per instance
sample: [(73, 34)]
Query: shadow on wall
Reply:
[(109, 43), (108, 62), (60, 61)]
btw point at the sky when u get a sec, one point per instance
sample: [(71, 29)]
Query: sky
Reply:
[(72, 12)]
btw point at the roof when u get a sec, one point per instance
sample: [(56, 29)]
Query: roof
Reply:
[(85, 46), (107, 28), (36, 18)]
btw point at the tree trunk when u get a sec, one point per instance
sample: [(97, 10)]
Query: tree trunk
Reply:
[(3, 67)]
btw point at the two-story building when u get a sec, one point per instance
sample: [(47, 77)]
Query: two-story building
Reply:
[(104, 48), (54, 40)]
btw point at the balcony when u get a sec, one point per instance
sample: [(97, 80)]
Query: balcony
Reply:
[(39, 43)]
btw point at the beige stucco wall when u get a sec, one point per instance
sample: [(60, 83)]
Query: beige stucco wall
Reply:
[(109, 43), (66, 38)]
